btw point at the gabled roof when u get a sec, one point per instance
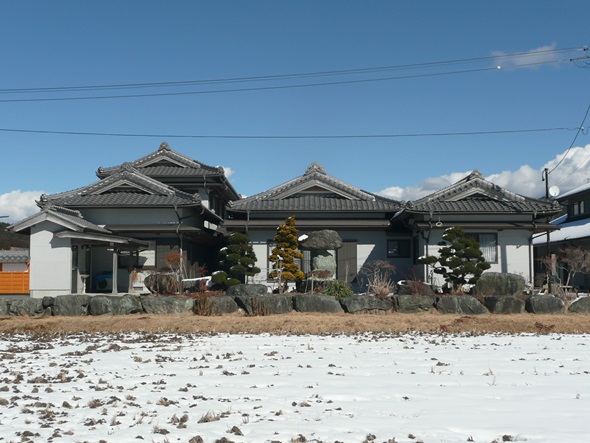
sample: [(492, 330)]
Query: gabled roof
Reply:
[(166, 162), (172, 167), (474, 194), (125, 187), (315, 191), (68, 218)]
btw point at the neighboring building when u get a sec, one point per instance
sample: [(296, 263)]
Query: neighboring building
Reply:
[(319, 201), (94, 237), (574, 230), (503, 222), (14, 271)]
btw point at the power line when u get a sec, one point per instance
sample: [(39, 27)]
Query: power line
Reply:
[(286, 137), (267, 88), (500, 57), (579, 130)]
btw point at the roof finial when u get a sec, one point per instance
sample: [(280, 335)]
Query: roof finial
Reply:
[(164, 147), (315, 167)]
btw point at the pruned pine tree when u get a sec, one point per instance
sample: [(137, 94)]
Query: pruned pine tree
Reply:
[(237, 261), (284, 254), (460, 259)]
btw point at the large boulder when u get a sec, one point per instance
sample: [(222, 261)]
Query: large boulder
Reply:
[(407, 303), (162, 283), (214, 305), (167, 305), (325, 239), (580, 306), (113, 305), (70, 305), (460, 304), (414, 288), (249, 290), (504, 305), (33, 307), (545, 304), (363, 303), (265, 304), (316, 303), (496, 283), (3, 307)]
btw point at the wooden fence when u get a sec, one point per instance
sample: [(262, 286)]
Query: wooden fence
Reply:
[(14, 282)]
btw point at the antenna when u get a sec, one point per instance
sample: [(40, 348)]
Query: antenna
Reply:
[(554, 191)]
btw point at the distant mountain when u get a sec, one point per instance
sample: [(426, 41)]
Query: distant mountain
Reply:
[(9, 240)]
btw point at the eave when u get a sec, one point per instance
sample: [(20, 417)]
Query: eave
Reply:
[(500, 226), (309, 224)]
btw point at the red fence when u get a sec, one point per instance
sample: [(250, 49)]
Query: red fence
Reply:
[(14, 282)]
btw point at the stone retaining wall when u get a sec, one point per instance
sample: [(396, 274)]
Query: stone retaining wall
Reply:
[(80, 305)]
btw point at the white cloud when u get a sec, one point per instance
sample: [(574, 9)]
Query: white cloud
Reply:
[(568, 170), (228, 171), (18, 204), (530, 59)]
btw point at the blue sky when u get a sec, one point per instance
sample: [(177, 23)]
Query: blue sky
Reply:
[(70, 43)]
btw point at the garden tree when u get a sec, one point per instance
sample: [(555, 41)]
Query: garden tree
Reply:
[(237, 261), (575, 259), (460, 260), (283, 255)]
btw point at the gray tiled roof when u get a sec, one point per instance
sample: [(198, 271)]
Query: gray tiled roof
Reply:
[(321, 203), (16, 256), (126, 187), (474, 194), (315, 191), (125, 199), (166, 162)]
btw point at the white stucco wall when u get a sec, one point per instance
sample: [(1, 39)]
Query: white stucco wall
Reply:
[(51, 262), (514, 253), (371, 245)]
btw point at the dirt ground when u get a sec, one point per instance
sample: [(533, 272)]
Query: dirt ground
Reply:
[(304, 323)]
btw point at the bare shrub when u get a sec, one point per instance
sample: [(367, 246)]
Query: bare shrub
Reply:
[(379, 277), (203, 305)]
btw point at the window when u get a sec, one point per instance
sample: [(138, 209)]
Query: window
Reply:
[(488, 244), (399, 248), (578, 208)]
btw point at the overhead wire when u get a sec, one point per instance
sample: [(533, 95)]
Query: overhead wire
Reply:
[(277, 137), (497, 57)]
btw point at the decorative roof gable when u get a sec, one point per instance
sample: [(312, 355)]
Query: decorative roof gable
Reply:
[(165, 162), (475, 194), (125, 187), (315, 191)]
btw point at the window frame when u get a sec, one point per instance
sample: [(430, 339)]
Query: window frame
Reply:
[(400, 252), (476, 236)]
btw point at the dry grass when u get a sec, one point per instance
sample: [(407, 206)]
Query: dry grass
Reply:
[(302, 323)]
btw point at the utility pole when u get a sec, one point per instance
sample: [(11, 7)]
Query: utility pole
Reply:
[(550, 273)]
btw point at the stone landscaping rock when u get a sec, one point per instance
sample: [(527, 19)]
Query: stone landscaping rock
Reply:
[(316, 303), (415, 288), (265, 304), (407, 303), (70, 305), (114, 305), (48, 301), (360, 303), (167, 305), (249, 290), (504, 305), (214, 305), (499, 284), (460, 304), (33, 307), (325, 239), (3, 307), (580, 306), (545, 304)]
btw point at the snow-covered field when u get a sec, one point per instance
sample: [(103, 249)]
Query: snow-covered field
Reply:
[(406, 388)]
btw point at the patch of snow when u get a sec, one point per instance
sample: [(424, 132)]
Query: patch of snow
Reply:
[(303, 237), (156, 388)]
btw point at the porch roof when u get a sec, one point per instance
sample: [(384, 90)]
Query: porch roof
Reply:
[(103, 239)]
